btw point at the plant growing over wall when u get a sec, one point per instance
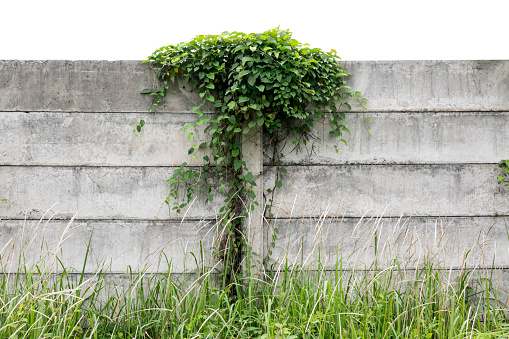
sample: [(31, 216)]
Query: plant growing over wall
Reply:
[(267, 80), (504, 177)]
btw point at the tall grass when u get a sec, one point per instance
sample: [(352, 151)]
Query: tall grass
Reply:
[(293, 299)]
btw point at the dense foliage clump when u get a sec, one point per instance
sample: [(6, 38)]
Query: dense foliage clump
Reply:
[(269, 81)]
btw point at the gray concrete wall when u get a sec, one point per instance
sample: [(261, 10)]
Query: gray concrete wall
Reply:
[(426, 172)]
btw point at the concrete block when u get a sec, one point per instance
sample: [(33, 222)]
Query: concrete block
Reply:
[(431, 85), (114, 245), (86, 86), (394, 190), (94, 193), (375, 243), (408, 138), (96, 139)]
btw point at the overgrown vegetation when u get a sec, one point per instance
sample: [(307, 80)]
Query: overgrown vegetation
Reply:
[(503, 179), (323, 300), (268, 81)]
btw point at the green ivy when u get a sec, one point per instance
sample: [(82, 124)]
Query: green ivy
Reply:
[(267, 80), (504, 177)]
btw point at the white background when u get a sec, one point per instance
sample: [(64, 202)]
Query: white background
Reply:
[(358, 30)]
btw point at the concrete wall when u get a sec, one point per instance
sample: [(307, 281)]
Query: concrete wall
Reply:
[(425, 176)]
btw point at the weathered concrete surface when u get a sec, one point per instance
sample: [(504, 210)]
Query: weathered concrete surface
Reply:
[(394, 86), (114, 244), (96, 139), (414, 190), (86, 86), (408, 138), (444, 241), (139, 192), (443, 122), (105, 139), (104, 86), (93, 193)]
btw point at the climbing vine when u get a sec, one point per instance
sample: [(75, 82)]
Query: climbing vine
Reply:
[(503, 179), (267, 80)]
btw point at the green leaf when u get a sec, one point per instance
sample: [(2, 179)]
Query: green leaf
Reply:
[(246, 130), (211, 76), (188, 126), (260, 121), (251, 80), (249, 177), (235, 152), (221, 189), (146, 91), (190, 136), (210, 97), (211, 196), (210, 86), (279, 184), (245, 72), (261, 88), (246, 59), (252, 124), (243, 99), (138, 128), (237, 164), (190, 151), (282, 169), (142, 123)]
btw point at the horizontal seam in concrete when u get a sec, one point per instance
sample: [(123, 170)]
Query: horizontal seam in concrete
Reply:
[(391, 164), (103, 112), (402, 270), (212, 113), (328, 217), (129, 220), (391, 217), (471, 269), (265, 165), (421, 110)]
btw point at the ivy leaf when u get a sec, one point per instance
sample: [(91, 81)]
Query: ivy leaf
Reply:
[(210, 97), (251, 80), (190, 136), (211, 76), (188, 126), (246, 59), (249, 177), (235, 152), (261, 88), (142, 123), (260, 121), (279, 184), (146, 91), (252, 124), (237, 164), (243, 99), (245, 72), (190, 151)]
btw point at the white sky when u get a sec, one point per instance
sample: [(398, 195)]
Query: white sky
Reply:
[(357, 29)]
